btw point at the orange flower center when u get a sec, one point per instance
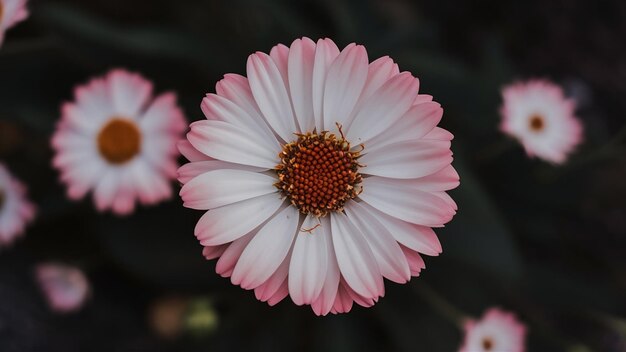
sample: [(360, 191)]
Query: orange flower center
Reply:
[(487, 344), (318, 173), (119, 140), (536, 123)]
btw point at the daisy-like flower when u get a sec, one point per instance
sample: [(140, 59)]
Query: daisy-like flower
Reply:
[(11, 13), (16, 211), (322, 174), (497, 331), (538, 114), (66, 288), (118, 141)]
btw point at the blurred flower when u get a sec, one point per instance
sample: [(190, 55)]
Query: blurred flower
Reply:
[(539, 115), (201, 319), (497, 331), (11, 13), (66, 288), (167, 316), (119, 142), (15, 210), (324, 173)]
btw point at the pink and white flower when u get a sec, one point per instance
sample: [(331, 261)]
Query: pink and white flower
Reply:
[(16, 211), (322, 174), (11, 13), (66, 288), (538, 114), (119, 141), (497, 331)]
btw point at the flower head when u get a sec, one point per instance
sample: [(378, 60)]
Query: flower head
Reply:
[(497, 331), (119, 141), (322, 174), (66, 288), (539, 115), (11, 13), (15, 209)]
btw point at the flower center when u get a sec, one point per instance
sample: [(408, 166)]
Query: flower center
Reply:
[(487, 344), (119, 140), (318, 173), (536, 123)]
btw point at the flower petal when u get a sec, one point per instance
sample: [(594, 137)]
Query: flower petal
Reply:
[(409, 204), (130, 93), (387, 252), (223, 141), (408, 159), (344, 83), (222, 187), (307, 271), (267, 249), (384, 108), (226, 224), (301, 62), (325, 53), (193, 169), (271, 95), (416, 237), (355, 258)]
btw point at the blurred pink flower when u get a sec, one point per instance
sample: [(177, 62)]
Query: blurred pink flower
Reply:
[(323, 174), (497, 331), (539, 115), (118, 141), (66, 288), (16, 211), (11, 13)]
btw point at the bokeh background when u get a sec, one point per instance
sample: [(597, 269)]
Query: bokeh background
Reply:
[(546, 242)]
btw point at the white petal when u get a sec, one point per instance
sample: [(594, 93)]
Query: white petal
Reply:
[(324, 303), (216, 107), (129, 91), (325, 53), (226, 224), (389, 256), (268, 289), (344, 83), (442, 180), (222, 187), (163, 115), (384, 108), (212, 252), (415, 124), (415, 261), (309, 262), (301, 61), (188, 151), (355, 258), (267, 249), (408, 159), (270, 93), (193, 169), (226, 264), (416, 237), (280, 55), (396, 199), (223, 141)]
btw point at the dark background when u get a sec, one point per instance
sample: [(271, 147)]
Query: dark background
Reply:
[(548, 243)]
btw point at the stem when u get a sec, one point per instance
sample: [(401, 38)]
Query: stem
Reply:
[(438, 303)]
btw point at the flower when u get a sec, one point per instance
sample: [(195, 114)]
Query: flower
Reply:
[(322, 173), (497, 331), (66, 288), (15, 209), (539, 115), (118, 141), (11, 13)]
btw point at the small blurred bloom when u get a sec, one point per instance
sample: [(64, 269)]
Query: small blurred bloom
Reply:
[(201, 319), (324, 173), (539, 115), (15, 209), (118, 141), (11, 13), (66, 288), (167, 315), (497, 331)]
